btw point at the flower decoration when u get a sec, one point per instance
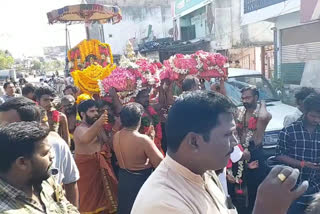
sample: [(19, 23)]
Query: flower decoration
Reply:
[(211, 64), (133, 75), (87, 80), (55, 120), (121, 79), (79, 56), (202, 64), (55, 116), (252, 124), (82, 98)]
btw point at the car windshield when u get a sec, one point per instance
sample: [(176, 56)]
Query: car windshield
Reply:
[(235, 84)]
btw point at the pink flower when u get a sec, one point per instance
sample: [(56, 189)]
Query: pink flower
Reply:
[(55, 116), (159, 131), (119, 79), (239, 126), (146, 129), (252, 124), (152, 111), (108, 127), (239, 191)]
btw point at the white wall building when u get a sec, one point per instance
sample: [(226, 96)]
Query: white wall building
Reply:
[(297, 30), (140, 19), (138, 23)]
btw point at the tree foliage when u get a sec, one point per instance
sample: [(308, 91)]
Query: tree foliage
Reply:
[(6, 60)]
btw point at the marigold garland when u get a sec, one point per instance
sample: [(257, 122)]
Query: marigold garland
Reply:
[(87, 80), (78, 56), (80, 98)]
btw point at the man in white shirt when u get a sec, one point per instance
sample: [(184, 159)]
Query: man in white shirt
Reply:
[(9, 92), (24, 109), (300, 96), (200, 140)]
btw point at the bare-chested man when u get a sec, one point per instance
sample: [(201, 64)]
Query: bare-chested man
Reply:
[(97, 184), (135, 167)]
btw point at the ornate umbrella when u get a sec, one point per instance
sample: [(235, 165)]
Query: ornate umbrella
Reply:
[(85, 13)]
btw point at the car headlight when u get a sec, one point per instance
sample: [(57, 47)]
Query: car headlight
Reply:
[(271, 138)]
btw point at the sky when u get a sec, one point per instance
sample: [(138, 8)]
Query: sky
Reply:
[(24, 28)]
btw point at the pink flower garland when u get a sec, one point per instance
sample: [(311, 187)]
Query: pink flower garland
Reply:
[(120, 79), (202, 64)]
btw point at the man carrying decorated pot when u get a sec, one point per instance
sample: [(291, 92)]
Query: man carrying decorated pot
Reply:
[(98, 183), (252, 120)]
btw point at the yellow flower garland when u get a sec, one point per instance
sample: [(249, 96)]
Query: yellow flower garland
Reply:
[(87, 80), (82, 97), (89, 47)]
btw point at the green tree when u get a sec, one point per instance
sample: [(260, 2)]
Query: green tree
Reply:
[(36, 65), (6, 60)]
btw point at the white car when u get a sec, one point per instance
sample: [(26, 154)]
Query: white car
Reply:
[(239, 78)]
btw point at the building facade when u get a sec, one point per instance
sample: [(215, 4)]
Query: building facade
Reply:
[(220, 22), (142, 20), (296, 37)]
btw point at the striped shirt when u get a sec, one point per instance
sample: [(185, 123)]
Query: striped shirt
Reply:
[(15, 201)]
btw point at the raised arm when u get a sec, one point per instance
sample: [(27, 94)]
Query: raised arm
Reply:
[(88, 135), (116, 101), (263, 120), (64, 129)]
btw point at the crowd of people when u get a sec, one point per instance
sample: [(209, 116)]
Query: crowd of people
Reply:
[(161, 153)]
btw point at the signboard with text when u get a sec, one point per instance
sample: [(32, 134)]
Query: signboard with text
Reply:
[(253, 5)]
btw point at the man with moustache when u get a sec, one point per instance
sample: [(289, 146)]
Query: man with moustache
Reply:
[(25, 163), (9, 89), (23, 109), (251, 122), (98, 183), (185, 181), (299, 147)]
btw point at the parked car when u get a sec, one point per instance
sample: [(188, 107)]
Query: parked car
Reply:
[(239, 78)]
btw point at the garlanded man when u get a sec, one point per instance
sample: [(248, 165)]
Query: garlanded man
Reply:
[(57, 120), (252, 120)]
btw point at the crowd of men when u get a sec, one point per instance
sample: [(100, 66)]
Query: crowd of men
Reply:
[(195, 153)]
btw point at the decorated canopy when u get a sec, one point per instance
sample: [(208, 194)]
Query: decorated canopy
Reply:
[(85, 13)]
